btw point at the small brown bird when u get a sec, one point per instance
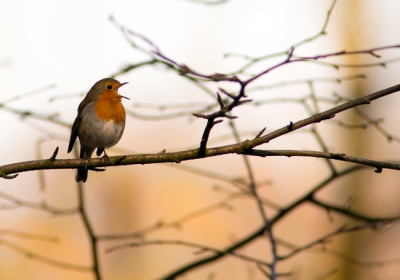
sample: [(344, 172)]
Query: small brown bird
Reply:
[(100, 122)]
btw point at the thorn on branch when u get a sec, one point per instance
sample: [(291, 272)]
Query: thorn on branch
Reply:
[(163, 151), (375, 55), (260, 133), (227, 93), (53, 157), (244, 101), (290, 126), (290, 53), (200, 116), (221, 103), (378, 170)]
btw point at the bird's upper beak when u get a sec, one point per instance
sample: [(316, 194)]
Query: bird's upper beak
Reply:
[(123, 84)]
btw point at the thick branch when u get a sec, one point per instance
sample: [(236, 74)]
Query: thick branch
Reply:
[(240, 148), (328, 114)]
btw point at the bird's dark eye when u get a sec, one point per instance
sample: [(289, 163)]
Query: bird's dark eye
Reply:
[(109, 87)]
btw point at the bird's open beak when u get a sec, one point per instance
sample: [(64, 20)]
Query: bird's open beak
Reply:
[(121, 86)]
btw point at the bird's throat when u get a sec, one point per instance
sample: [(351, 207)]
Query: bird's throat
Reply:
[(109, 107)]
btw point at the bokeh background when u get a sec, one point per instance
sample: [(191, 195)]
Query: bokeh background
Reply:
[(52, 52)]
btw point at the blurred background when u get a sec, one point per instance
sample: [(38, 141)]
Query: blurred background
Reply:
[(52, 52)]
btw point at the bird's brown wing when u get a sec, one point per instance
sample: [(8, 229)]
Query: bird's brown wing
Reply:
[(74, 133), (77, 124)]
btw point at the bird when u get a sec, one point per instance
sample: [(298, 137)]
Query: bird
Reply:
[(100, 122)]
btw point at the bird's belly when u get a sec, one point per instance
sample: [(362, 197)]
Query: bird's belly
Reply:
[(104, 134)]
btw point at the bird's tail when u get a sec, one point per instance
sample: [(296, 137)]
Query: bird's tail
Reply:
[(81, 175), (85, 154)]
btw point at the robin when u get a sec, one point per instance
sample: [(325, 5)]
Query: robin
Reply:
[(100, 122)]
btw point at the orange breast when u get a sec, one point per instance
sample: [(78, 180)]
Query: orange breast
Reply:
[(109, 107)]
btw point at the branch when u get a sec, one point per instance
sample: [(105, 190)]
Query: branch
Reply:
[(260, 231), (82, 206), (260, 205), (39, 206), (328, 114), (177, 157), (281, 214), (379, 165), (222, 113), (328, 237), (46, 260), (291, 58), (178, 223), (202, 248), (352, 214)]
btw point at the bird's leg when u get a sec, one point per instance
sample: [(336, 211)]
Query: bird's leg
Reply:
[(85, 159), (105, 157)]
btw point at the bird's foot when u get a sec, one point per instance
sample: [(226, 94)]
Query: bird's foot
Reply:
[(85, 160), (105, 159)]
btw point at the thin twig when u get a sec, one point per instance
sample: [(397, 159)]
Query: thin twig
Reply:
[(83, 213)]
